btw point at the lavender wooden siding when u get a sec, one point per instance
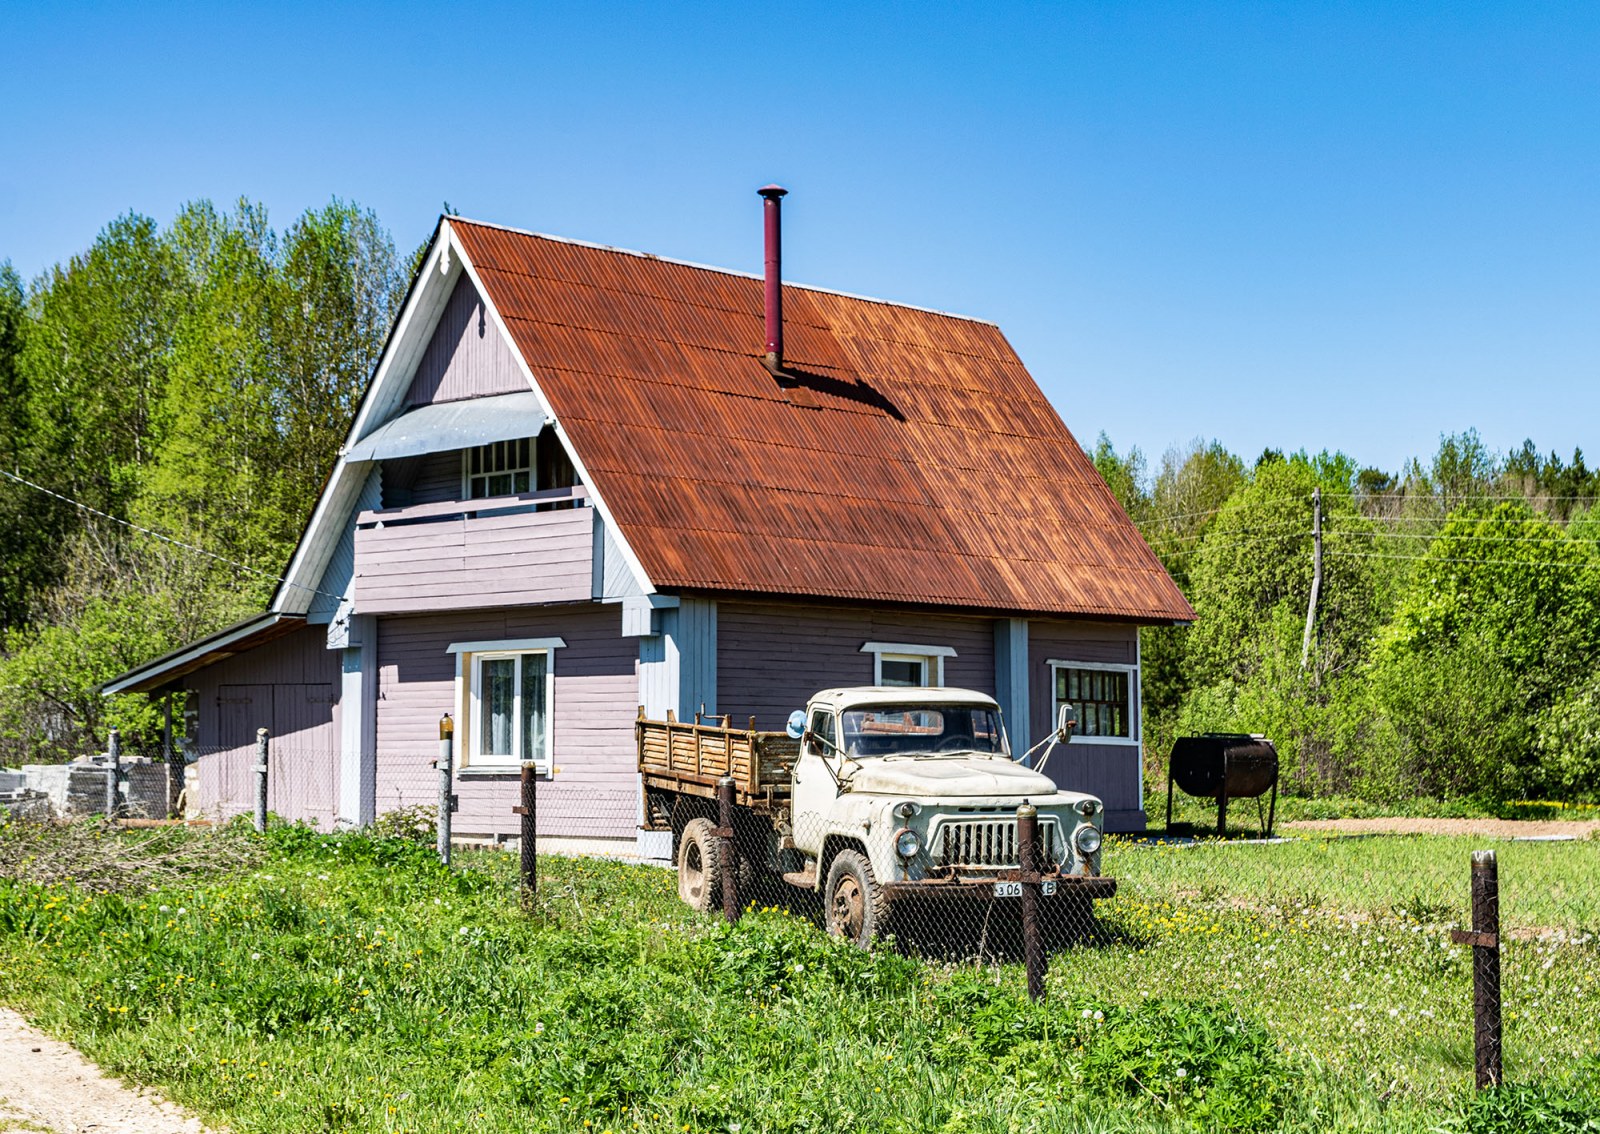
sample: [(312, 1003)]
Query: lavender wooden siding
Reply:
[(594, 791), (289, 687), (429, 479), (467, 562), (1110, 771), (466, 357), (771, 657)]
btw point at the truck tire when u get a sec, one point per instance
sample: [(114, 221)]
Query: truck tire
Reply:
[(699, 866), (855, 905)]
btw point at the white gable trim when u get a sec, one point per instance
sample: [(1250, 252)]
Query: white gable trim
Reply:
[(595, 498), (443, 265)]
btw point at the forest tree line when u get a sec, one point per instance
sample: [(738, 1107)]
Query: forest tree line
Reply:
[(175, 396), (1456, 646)]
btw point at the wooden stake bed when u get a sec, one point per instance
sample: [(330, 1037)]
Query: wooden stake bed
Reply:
[(690, 758)]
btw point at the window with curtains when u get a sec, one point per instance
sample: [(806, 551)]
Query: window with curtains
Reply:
[(510, 709)]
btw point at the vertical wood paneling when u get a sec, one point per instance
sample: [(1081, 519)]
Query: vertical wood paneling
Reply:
[(1110, 771), (595, 789), (466, 357), (289, 686), (771, 657)]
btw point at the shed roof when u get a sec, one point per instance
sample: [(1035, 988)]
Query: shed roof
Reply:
[(909, 457)]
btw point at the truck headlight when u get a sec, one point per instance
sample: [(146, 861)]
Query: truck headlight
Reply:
[(906, 843), (1088, 839)]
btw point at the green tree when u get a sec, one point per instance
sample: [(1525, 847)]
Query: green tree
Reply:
[(1501, 613), (1250, 586)]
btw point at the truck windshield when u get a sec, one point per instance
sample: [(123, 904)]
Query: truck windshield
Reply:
[(893, 730)]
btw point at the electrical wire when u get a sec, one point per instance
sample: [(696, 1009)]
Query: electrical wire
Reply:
[(164, 537), (1483, 562)]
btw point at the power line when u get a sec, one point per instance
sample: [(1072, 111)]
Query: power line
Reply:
[(1484, 562), (162, 536)]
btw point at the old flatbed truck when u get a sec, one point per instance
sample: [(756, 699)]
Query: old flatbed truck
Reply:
[(873, 796)]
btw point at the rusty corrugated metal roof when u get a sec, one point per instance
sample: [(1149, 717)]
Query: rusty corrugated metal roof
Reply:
[(914, 460)]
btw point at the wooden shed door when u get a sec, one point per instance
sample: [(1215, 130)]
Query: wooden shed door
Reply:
[(241, 709)]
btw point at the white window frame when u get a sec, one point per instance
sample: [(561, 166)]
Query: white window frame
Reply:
[(470, 657), (1135, 708), (930, 657)]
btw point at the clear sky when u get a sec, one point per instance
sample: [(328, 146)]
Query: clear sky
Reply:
[(1343, 225)]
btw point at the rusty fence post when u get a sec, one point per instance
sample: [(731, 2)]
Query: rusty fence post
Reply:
[(1032, 944), (529, 810), (446, 766), (261, 779), (725, 850), (1484, 937), (113, 774)]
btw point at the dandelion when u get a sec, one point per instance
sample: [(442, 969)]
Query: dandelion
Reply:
[(255, 956), (1183, 1073)]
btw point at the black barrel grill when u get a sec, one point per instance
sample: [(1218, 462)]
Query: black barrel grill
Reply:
[(1224, 766)]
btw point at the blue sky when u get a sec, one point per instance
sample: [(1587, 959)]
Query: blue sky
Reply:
[(1307, 225)]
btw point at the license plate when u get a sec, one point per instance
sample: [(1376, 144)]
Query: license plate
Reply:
[(1008, 889)]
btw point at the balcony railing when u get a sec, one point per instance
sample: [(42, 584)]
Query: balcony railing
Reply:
[(535, 547)]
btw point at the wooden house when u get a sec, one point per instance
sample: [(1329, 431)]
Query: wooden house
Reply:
[(583, 480)]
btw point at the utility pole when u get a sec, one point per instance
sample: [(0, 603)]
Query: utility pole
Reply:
[(1316, 574)]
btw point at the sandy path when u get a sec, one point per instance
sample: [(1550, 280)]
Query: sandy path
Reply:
[(1478, 828), (46, 1086)]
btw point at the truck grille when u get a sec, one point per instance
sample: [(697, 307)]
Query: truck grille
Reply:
[(989, 842)]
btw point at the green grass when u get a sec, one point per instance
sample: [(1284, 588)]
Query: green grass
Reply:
[(348, 983)]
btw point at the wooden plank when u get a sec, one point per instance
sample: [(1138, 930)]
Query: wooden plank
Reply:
[(480, 506)]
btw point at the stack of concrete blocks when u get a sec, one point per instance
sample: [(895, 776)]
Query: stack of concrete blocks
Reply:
[(78, 789), (19, 801)]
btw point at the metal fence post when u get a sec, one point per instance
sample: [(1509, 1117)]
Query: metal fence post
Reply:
[(261, 779), (1484, 937), (113, 773), (446, 766), (725, 850), (529, 810), (1032, 944)]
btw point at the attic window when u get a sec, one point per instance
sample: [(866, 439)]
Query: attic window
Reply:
[(502, 468)]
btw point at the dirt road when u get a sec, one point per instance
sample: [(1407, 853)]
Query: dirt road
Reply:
[(1478, 828), (46, 1087)]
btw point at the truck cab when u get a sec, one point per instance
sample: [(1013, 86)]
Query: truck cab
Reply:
[(904, 791)]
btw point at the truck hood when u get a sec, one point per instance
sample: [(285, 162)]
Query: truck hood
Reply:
[(946, 776)]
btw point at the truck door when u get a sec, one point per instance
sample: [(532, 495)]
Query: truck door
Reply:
[(815, 781)]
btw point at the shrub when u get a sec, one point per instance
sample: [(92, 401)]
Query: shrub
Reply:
[(1208, 1066), (1528, 1108)]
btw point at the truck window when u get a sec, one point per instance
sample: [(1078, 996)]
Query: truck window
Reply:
[(893, 730), (822, 724)]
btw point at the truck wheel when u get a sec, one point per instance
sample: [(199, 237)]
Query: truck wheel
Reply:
[(699, 866), (856, 906)]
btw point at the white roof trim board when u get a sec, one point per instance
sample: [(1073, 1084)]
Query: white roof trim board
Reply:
[(184, 655), (452, 425)]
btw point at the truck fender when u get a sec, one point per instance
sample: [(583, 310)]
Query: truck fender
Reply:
[(831, 846)]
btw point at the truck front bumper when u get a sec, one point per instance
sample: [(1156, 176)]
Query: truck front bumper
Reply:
[(982, 887)]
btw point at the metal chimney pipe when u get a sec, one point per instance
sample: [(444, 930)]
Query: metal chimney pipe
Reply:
[(774, 195)]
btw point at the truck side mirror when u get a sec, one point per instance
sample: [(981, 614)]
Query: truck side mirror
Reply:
[(796, 725), (1066, 722)]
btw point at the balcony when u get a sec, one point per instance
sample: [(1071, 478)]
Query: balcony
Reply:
[(537, 547)]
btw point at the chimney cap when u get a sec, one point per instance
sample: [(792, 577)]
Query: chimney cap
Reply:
[(772, 192)]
